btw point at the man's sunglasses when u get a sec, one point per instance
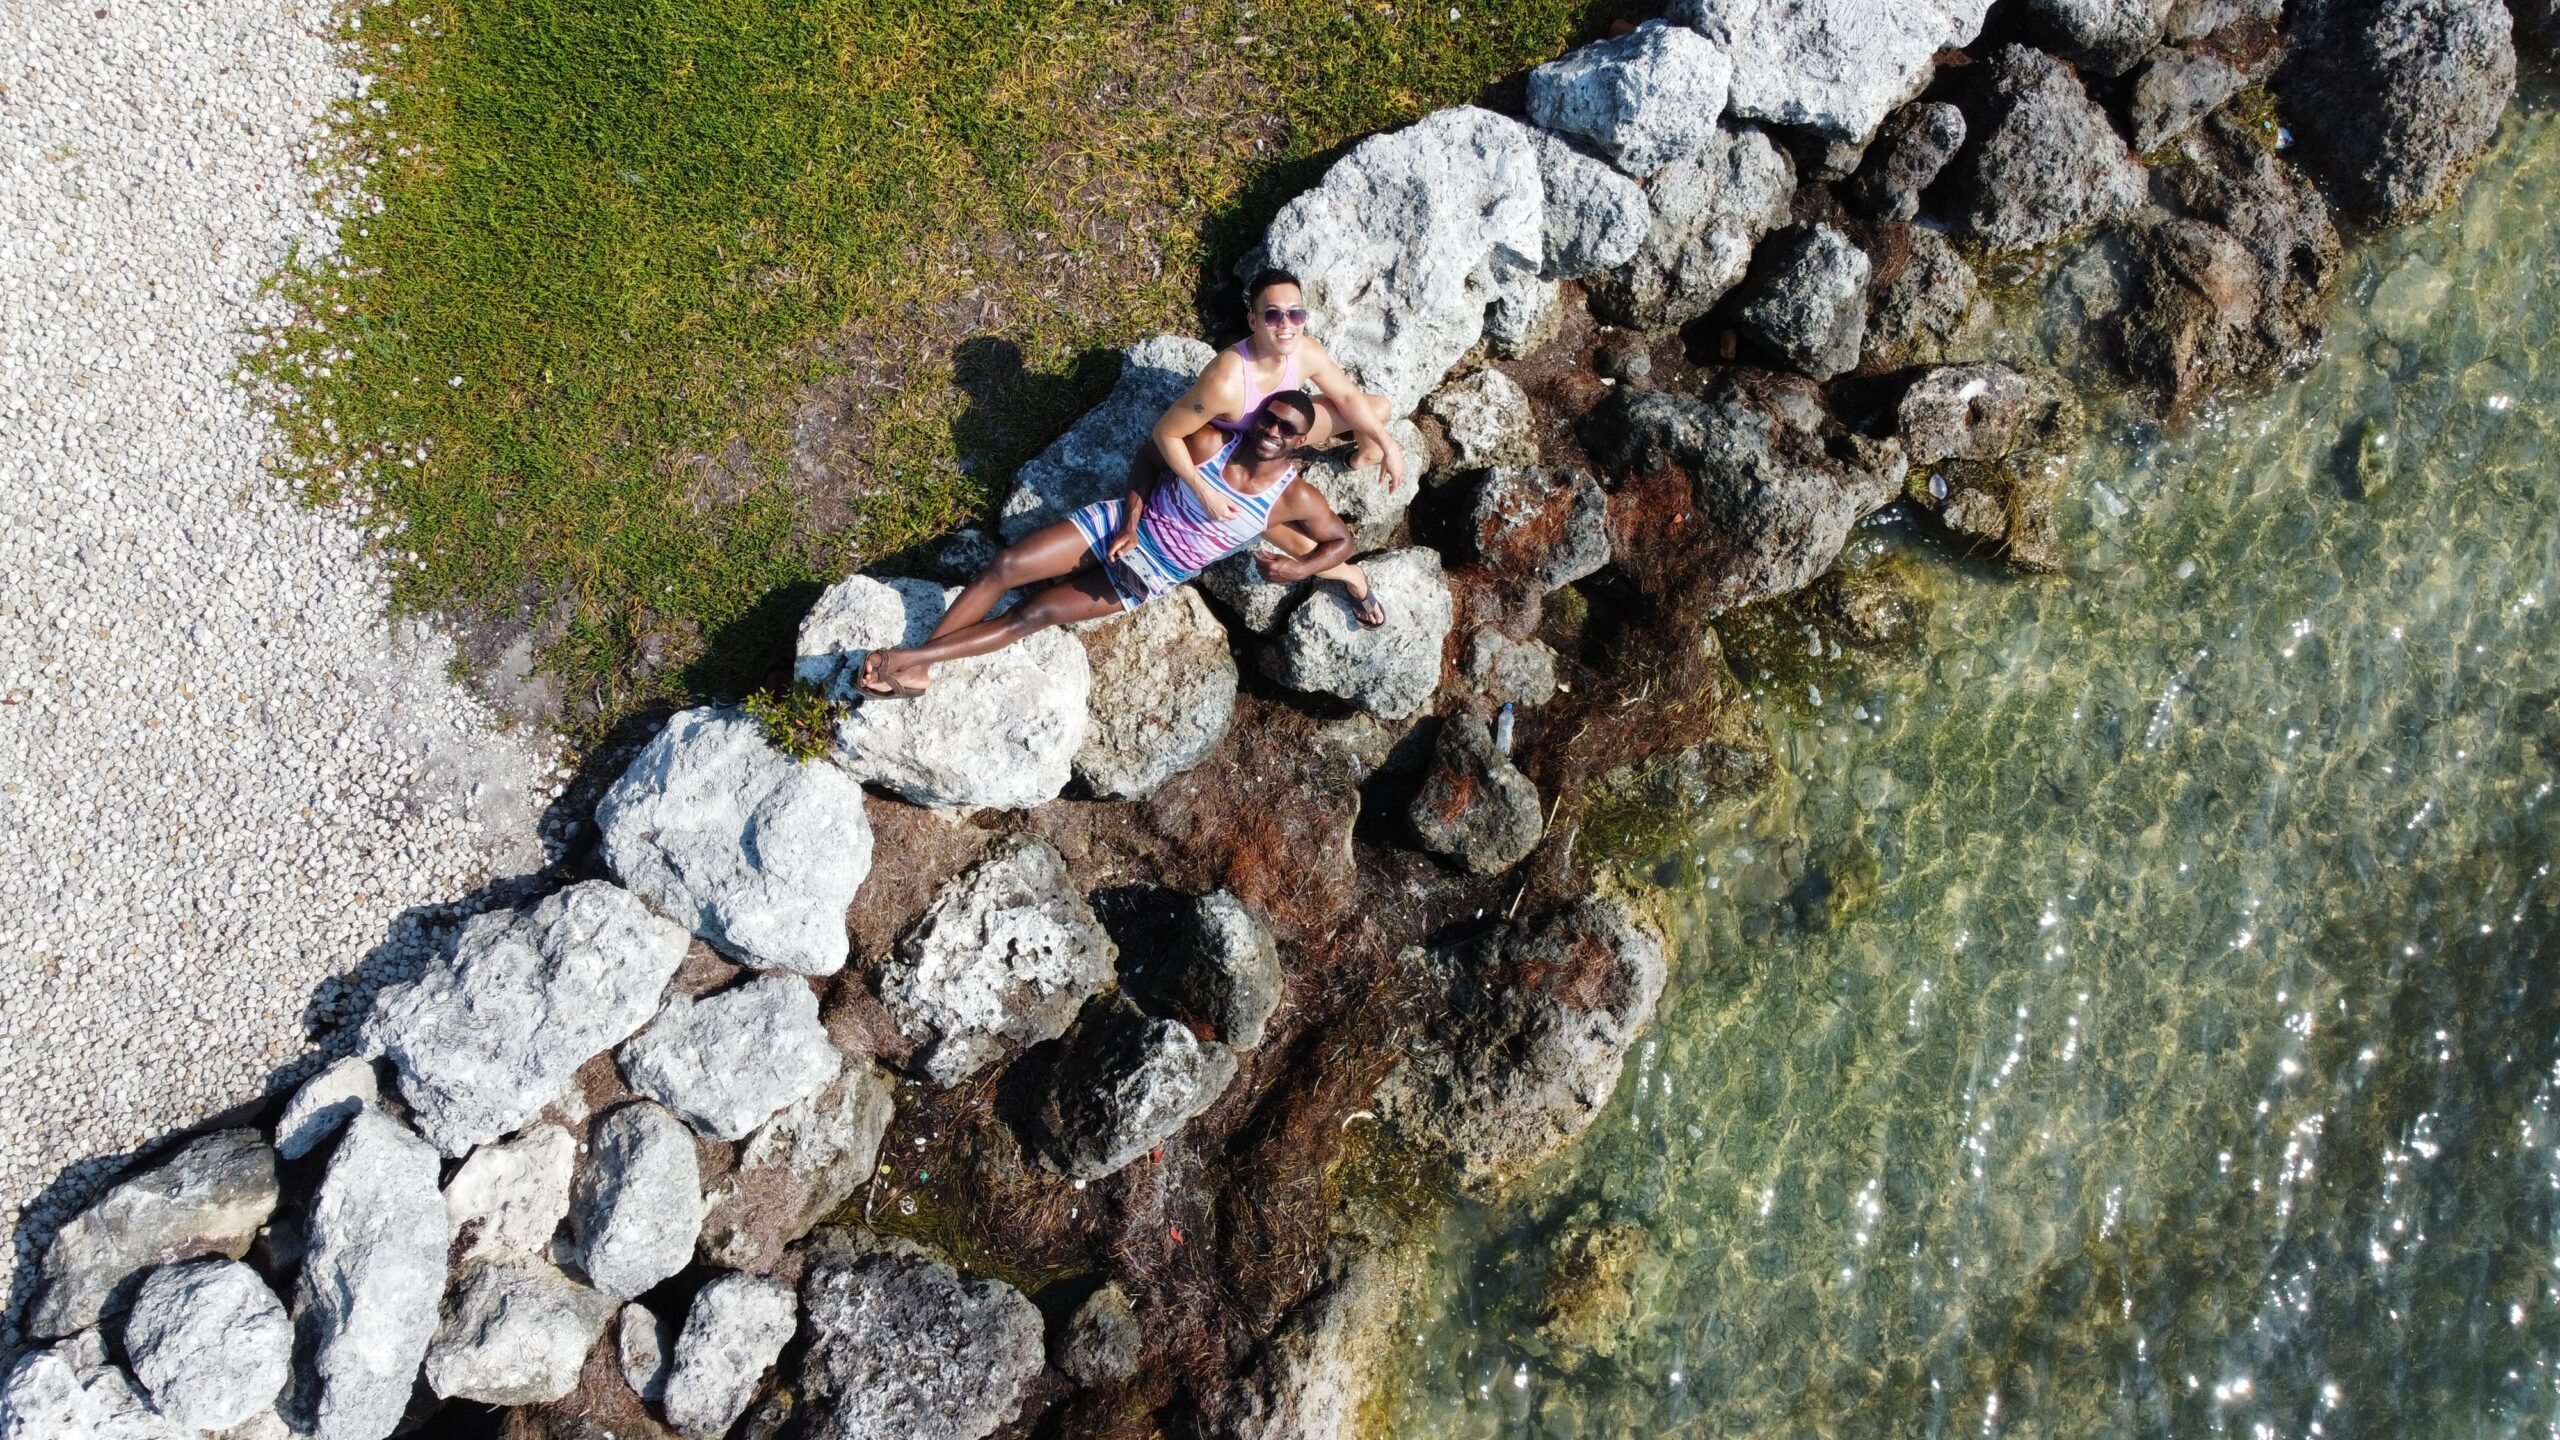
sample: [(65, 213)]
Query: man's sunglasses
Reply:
[(1295, 315), (1270, 420)]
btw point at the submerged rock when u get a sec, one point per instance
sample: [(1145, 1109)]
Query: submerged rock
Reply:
[(507, 1201), (1408, 238), (2044, 161), (637, 1207), (489, 1036), (368, 1299), (1806, 300), (1007, 953), (1121, 1084), (1644, 99), (1923, 303), (2393, 102), (1877, 608), (1915, 144), (999, 730), (1487, 419), (1391, 671), (210, 1343), (1091, 461), (1101, 1344), (1596, 217), (207, 1199), (325, 1102), (1707, 210), (2178, 90), (1474, 806), (755, 852), (1164, 689), (516, 1332), (2101, 37), (1541, 1019), (1551, 526), (902, 1348), (1990, 445), (732, 1335), (1835, 67)]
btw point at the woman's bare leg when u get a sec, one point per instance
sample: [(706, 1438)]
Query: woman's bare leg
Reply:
[(1086, 595), (1044, 554)]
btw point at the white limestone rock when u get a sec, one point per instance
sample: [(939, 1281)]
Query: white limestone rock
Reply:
[(517, 1332), (1368, 504), (1487, 419), (1596, 217), (507, 1201), (1391, 671), (372, 1279), (489, 1036), (902, 1348), (998, 731), (325, 1102), (1835, 67), (727, 1062), (209, 1342), (1408, 238), (637, 1206), (644, 1346), (73, 1392), (801, 1167), (1164, 688), (758, 853), (1006, 953), (1091, 461), (732, 1335), (207, 1199), (1707, 210), (1644, 98)]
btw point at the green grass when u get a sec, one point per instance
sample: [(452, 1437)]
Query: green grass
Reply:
[(624, 246)]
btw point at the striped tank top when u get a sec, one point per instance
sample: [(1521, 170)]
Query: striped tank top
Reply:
[(1176, 538)]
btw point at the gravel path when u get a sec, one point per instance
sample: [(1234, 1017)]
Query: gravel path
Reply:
[(224, 775)]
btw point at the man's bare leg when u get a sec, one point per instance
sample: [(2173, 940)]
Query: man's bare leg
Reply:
[(1364, 601), (1085, 595), (1044, 554)]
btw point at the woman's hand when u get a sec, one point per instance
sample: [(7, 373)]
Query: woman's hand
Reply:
[(1213, 503), (1393, 463)]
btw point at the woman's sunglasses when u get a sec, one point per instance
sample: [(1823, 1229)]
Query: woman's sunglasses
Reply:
[(1295, 315)]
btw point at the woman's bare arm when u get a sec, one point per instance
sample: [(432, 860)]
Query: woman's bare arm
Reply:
[(1211, 396)]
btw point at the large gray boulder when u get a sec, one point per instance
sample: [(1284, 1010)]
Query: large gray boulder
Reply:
[(732, 1335), (366, 1304), (492, 1033), (1923, 302), (901, 1348), (1776, 493), (1644, 98), (208, 1199), (1915, 144), (209, 1342), (1806, 300), (507, 1201), (2043, 161), (1256, 602), (515, 1332), (1408, 239), (1486, 416), (1550, 526), (1122, 1083), (801, 1167), (1596, 217), (1835, 67), (637, 1207), (1475, 807), (2178, 90), (1707, 210), (1391, 671), (1504, 671), (1217, 965), (1006, 954), (997, 731), (755, 852), (1368, 504), (1091, 461), (2101, 37), (1164, 688), (323, 1103), (1317, 1377), (74, 1392), (1542, 1017), (2393, 102), (727, 1062)]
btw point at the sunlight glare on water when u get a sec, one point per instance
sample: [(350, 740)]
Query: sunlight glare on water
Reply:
[(2184, 1056)]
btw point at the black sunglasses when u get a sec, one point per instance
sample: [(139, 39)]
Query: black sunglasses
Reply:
[(1270, 420), (1295, 315)]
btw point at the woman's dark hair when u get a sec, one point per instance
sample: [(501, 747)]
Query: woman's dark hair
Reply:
[(1304, 402), (1253, 289)]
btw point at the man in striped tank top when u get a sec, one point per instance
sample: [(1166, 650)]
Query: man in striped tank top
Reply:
[(1116, 555)]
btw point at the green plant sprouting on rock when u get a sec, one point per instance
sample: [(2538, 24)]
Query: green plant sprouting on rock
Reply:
[(799, 721)]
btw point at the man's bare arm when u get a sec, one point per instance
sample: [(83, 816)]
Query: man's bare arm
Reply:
[(1303, 507)]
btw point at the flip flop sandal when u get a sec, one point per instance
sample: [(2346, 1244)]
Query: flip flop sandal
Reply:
[(862, 683), (1367, 604)]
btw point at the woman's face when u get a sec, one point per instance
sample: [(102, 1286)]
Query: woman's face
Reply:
[(1279, 317)]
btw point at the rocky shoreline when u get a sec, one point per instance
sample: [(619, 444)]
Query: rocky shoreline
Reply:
[(1077, 1051)]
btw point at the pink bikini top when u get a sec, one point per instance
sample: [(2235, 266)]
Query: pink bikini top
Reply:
[(1252, 401)]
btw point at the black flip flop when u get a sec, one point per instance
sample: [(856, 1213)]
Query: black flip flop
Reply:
[(1366, 604), (862, 684)]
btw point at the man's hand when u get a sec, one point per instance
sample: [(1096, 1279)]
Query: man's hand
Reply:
[(1280, 569), (1121, 541)]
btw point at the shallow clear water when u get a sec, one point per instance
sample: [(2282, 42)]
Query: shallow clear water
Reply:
[(2193, 1063)]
